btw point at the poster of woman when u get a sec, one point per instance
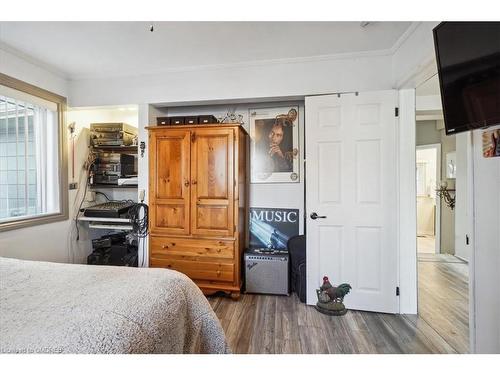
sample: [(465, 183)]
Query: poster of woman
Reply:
[(491, 143), (274, 151)]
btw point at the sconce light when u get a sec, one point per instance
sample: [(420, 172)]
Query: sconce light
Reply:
[(448, 195)]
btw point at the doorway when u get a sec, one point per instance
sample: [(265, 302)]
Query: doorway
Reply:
[(443, 277), (428, 175)]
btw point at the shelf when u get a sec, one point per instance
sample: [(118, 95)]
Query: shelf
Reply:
[(106, 186), (105, 219), (116, 148), (110, 226), (115, 223)]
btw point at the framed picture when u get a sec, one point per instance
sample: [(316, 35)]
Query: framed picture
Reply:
[(272, 227), (274, 150), (491, 143)]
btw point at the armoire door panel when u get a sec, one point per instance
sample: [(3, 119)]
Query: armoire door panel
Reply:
[(211, 165), (170, 216), (212, 217), (170, 187), (212, 182), (172, 170)]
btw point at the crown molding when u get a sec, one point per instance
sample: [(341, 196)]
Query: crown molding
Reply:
[(244, 64), (212, 67), (408, 32), (31, 60)]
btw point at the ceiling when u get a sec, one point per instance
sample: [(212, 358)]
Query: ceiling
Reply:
[(79, 50), (430, 93), (429, 87)]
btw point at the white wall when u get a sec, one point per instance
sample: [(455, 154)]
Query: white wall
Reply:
[(414, 60), (238, 82), (486, 249), (24, 70)]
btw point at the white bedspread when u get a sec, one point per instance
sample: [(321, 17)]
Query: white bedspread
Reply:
[(66, 308)]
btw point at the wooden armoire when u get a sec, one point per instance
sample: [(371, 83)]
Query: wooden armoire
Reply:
[(198, 202)]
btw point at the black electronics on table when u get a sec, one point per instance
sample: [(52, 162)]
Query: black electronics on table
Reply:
[(468, 59), (115, 249), (112, 134), (112, 209), (109, 167)]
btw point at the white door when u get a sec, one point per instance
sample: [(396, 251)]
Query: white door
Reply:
[(351, 185)]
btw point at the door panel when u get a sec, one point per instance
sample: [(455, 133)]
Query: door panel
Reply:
[(351, 179), (212, 180), (170, 181)]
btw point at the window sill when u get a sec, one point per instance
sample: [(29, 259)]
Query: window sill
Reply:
[(33, 221)]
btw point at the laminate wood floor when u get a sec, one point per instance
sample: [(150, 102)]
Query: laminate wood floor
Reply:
[(280, 324), (444, 299)]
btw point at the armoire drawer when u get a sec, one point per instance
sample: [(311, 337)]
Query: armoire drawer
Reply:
[(172, 246), (213, 271)]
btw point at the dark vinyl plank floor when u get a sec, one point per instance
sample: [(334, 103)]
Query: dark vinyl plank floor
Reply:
[(280, 324), (443, 300)]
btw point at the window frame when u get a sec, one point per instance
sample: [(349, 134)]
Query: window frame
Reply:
[(61, 103)]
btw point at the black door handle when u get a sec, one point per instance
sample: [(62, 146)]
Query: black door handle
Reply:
[(315, 216)]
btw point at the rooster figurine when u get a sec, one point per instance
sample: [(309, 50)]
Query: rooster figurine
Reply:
[(330, 298)]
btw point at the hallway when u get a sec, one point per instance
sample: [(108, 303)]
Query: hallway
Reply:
[(443, 297)]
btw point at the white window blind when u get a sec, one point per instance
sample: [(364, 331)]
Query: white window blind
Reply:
[(29, 168)]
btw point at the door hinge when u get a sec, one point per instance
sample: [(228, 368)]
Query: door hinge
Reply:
[(397, 290), (396, 111), (193, 136), (466, 239)]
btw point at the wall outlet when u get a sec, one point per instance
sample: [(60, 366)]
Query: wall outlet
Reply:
[(73, 185)]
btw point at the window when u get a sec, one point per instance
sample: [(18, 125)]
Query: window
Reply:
[(32, 155)]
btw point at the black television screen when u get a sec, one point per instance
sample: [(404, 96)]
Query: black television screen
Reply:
[(468, 59)]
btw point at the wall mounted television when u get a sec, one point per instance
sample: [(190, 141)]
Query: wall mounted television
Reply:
[(468, 59)]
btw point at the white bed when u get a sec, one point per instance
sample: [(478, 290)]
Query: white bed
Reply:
[(66, 308)]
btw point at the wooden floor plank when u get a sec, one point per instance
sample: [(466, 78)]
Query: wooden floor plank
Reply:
[(282, 324), (445, 308)]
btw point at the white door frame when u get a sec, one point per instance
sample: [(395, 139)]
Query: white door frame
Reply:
[(437, 147), (407, 215), (408, 210)]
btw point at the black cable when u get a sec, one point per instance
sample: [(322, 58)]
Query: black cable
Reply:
[(105, 196), (139, 224), (79, 208), (90, 162), (143, 263)]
